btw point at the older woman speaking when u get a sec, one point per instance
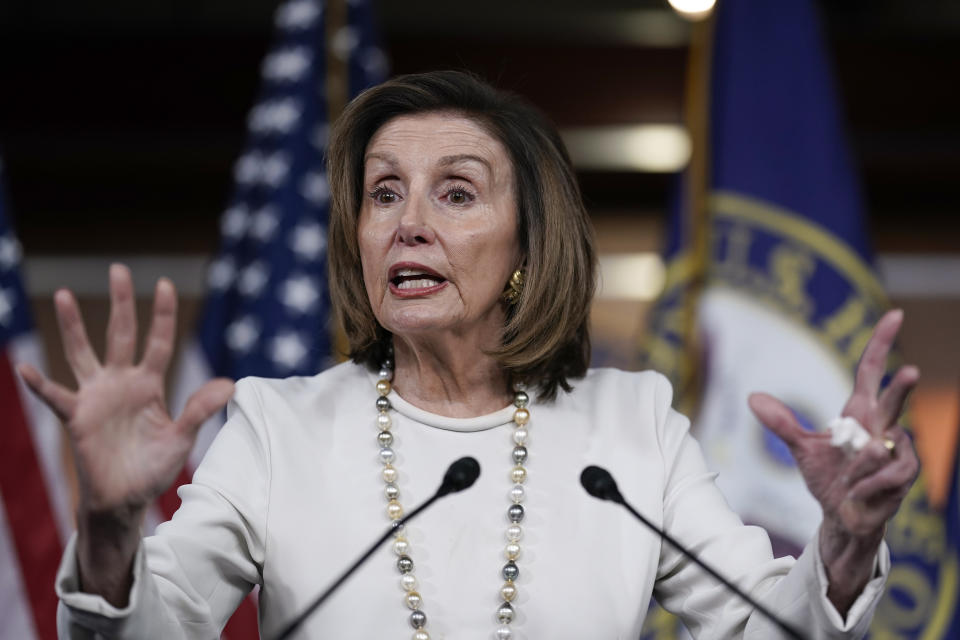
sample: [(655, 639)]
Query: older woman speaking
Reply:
[(462, 268)]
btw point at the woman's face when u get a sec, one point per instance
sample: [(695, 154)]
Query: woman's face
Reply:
[(438, 227)]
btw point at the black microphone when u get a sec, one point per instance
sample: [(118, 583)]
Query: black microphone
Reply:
[(600, 484), (459, 476)]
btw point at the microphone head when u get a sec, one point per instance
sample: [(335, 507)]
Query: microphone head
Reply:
[(460, 475), (600, 484)]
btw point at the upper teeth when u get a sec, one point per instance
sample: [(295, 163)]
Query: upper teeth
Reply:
[(403, 273)]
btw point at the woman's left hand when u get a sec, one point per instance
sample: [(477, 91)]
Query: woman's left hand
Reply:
[(860, 492)]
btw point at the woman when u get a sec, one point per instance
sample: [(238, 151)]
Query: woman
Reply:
[(462, 267)]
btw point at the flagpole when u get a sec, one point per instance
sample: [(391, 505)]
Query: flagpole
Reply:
[(338, 68), (697, 221), (338, 91)]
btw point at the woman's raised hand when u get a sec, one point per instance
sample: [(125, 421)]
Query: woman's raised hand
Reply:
[(127, 447), (858, 493)]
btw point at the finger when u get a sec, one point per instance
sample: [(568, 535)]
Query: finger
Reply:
[(873, 362), (873, 457), (205, 402), (777, 417), (894, 478), (76, 346), (61, 400), (894, 397), (122, 328), (163, 328)]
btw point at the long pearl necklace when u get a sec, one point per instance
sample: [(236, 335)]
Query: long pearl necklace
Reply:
[(506, 612)]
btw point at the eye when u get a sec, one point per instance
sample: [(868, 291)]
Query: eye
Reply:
[(459, 195), (383, 195)]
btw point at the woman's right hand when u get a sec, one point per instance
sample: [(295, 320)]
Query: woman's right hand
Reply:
[(127, 448)]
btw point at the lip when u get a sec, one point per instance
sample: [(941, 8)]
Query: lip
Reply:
[(416, 266), (414, 293)]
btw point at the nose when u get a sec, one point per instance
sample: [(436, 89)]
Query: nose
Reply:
[(413, 227)]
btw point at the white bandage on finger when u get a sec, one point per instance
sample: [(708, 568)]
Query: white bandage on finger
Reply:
[(848, 434)]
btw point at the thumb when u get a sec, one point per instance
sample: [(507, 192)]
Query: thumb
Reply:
[(777, 417), (205, 402)]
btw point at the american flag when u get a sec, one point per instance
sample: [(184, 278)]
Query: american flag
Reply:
[(34, 494), (267, 311)]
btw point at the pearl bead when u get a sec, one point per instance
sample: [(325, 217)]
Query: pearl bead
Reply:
[(421, 634), (511, 571), (515, 513), (413, 599), (405, 564), (401, 546), (521, 399), (418, 619), (512, 551), (504, 633), (514, 533), (384, 373), (384, 421), (388, 362), (385, 438), (392, 491), (389, 474), (517, 493), (508, 591), (521, 416), (518, 474), (408, 582), (519, 454), (383, 404), (520, 435), (383, 387), (387, 455), (505, 613), (394, 510), (519, 385)]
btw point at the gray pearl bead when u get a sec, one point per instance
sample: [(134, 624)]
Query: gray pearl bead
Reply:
[(505, 613), (388, 363), (392, 491), (510, 571), (383, 404), (418, 619), (385, 438), (521, 399), (405, 564), (519, 454), (515, 513)]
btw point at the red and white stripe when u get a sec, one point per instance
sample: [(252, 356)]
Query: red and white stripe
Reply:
[(34, 502)]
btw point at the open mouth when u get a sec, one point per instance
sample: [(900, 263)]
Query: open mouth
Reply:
[(414, 279)]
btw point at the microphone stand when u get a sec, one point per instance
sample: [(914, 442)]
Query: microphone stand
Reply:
[(600, 484), (459, 476)]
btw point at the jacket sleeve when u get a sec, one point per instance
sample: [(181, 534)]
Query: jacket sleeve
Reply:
[(190, 577), (697, 514)]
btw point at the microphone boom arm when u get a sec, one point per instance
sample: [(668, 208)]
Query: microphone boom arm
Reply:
[(600, 484), (460, 475)]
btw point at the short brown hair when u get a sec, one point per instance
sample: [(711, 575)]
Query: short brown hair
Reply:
[(545, 339)]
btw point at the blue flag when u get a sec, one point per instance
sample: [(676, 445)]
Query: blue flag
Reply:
[(267, 311), (770, 278)]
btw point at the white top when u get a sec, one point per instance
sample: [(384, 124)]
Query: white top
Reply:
[(290, 493)]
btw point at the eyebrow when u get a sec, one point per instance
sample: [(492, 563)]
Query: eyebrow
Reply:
[(445, 161)]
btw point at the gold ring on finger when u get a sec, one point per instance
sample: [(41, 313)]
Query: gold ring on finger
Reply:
[(890, 446)]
